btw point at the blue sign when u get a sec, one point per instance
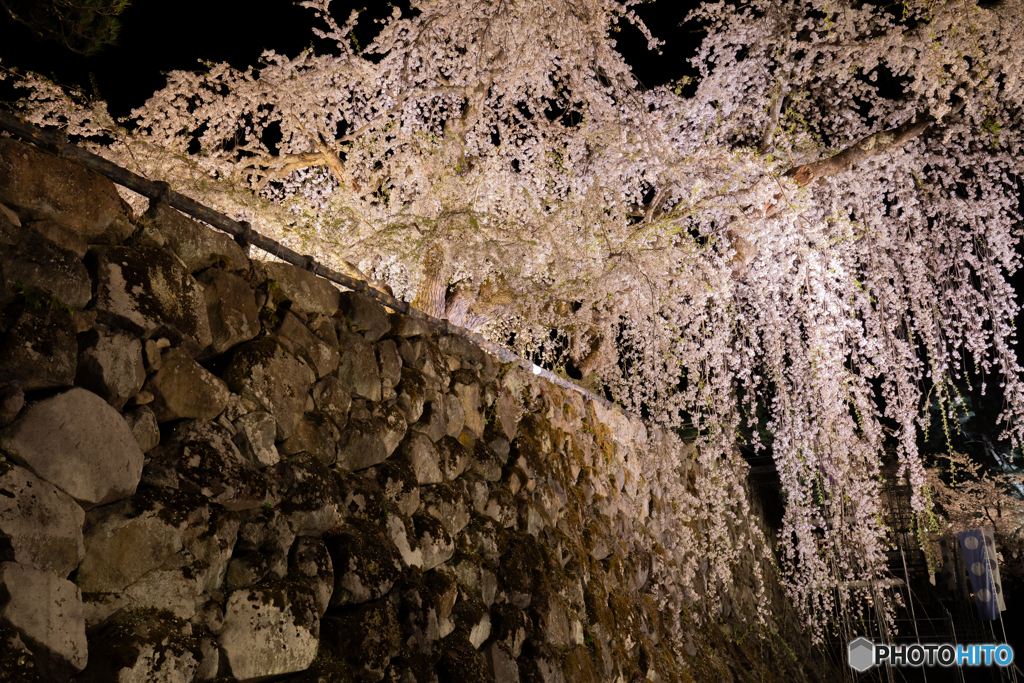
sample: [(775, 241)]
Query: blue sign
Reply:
[(979, 568)]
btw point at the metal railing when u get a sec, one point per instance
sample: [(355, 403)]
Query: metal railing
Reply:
[(242, 232)]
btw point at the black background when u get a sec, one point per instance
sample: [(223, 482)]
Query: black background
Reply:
[(158, 37)]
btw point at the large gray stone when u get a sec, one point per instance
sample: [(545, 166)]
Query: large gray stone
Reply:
[(460, 661), (448, 505), (321, 357), (177, 588), (390, 367), (314, 434), (469, 355), (486, 462), (264, 372), (333, 398), (432, 421), (237, 407), (394, 426), (407, 326), (578, 666), (147, 290), (362, 445), (364, 315), (99, 462), (454, 415), (310, 497), (454, 458), (472, 616), (196, 245), (47, 611), (42, 524), (200, 457), (413, 666), (521, 569), (9, 216), (61, 235), (307, 292), (142, 422), (423, 354), (542, 663), (209, 664), (466, 388), (182, 388), (365, 560), (29, 260), (40, 186), (254, 436), (361, 496), (230, 307), (529, 517), (551, 615), (365, 638), (403, 534), (358, 367), (39, 351), (412, 394), (509, 628), (435, 544), (476, 490), (508, 412), (270, 630), (422, 454), (126, 540), (171, 588), (325, 328), (503, 665), (501, 507), (476, 576), (397, 482), (110, 365), (212, 549), (427, 606), (485, 537)]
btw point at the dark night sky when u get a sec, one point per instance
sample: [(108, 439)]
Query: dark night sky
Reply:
[(158, 37)]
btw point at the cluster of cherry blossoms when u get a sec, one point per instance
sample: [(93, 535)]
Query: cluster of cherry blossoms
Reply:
[(799, 256)]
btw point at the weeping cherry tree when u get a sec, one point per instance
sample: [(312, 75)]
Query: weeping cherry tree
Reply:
[(799, 251)]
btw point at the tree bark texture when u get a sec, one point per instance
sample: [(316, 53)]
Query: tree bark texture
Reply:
[(872, 145)]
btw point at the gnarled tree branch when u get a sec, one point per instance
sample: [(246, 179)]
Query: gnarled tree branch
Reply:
[(872, 145)]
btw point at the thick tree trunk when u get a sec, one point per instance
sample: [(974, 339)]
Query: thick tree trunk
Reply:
[(430, 297), (475, 307), (459, 308)]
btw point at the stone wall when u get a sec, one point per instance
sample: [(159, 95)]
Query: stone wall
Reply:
[(216, 468)]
